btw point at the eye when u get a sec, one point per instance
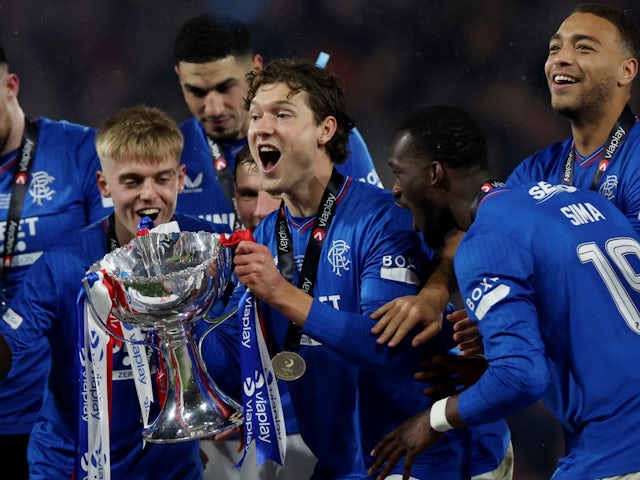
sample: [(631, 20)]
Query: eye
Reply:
[(197, 92), (224, 88), (584, 47), (554, 48)]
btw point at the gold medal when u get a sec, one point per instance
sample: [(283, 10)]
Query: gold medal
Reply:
[(288, 365)]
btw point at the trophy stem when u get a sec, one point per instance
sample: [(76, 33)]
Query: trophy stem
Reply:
[(194, 406)]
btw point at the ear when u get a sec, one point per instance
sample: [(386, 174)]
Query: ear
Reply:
[(628, 71), (12, 85), (326, 130), (257, 63), (436, 174), (103, 187), (182, 171)]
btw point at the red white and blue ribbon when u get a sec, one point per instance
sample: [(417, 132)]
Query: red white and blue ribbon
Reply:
[(263, 417)]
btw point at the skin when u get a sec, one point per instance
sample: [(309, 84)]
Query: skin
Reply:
[(587, 51), (285, 124), (11, 115), (214, 93), (253, 202), (139, 187)]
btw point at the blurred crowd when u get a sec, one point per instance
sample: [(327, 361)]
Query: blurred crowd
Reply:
[(83, 61)]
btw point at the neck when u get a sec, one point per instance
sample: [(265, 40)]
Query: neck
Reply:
[(590, 132), (17, 129), (304, 200)]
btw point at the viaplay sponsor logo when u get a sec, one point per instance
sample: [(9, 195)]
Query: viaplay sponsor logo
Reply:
[(21, 179), (318, 234)]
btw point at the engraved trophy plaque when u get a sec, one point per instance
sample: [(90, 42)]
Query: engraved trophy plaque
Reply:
[(161, 283)]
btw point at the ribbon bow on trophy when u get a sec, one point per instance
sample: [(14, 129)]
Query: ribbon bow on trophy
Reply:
[(263, 418)]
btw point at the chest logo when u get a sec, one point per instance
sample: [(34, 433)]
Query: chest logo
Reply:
[(338, 256), (40, 187)]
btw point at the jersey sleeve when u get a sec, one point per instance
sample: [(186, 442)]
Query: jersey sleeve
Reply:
[(32, 311), (498, 294), (392, 263)]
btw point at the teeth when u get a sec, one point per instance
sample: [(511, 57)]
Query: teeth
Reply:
[(267, 149), (563, 78), (148, 211)]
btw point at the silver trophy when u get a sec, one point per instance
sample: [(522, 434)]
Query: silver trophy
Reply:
[(162, 283)]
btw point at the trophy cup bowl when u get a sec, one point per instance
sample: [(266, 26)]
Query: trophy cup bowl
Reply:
[(162, 283)]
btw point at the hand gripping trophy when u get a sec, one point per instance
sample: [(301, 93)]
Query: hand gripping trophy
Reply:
[(159, 284)]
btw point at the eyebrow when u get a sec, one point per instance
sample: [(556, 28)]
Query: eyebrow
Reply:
[(577, 37), (231, 81), (274, 104), (127, 175)]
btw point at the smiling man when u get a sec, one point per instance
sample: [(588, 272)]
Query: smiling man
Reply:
[(592, 63)]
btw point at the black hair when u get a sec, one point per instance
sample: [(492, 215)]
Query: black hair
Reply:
[(3, 57), (210, 37), (628, 29), (448, 135)]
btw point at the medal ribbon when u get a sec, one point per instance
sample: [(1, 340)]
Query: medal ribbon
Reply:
[(286, 260), (616, 137), (25, 156), (262, 410), (225, 179)]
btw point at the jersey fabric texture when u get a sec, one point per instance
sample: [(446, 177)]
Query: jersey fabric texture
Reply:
[(62, 197), (620, 183), (370, 256), (45, 307), (558, 313), (203, 196)]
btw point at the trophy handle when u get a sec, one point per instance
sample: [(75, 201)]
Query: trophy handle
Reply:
[(215, 322)]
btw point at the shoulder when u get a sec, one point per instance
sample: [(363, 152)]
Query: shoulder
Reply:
[(371, 201), (74, 255), (64, 127)]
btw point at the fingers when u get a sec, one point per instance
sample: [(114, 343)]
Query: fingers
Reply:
[(389, 453), (427, 333), (457, 316)]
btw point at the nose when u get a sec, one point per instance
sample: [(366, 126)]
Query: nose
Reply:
[(260, 125), (562, 56), (396, 191), (213, 104), (147, 190)]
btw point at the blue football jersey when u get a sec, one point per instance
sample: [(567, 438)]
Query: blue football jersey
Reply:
[(371, 255), (550, 273), (45, 308), (620, 183), (62, 197), (203, 196)]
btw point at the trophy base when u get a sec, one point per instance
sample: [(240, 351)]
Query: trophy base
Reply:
[(173, 433)]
